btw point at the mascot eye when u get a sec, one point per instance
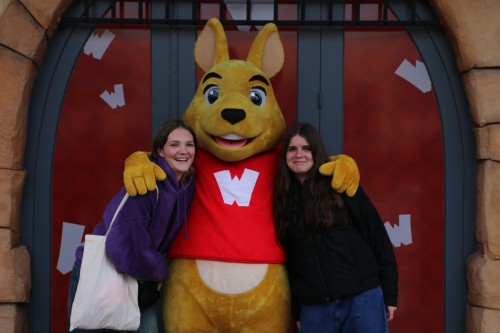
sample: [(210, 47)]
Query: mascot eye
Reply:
[(211, 94), (258, 96)]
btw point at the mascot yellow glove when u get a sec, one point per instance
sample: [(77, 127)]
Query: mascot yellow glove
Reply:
[(140, 174), (345, 173)]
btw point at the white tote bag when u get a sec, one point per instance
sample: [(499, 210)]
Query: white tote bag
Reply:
[(104, 297)]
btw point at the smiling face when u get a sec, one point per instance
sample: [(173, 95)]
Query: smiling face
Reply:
[(179, 151), (299, 157)]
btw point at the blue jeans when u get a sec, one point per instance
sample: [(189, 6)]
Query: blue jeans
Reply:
[(149, 317), (363, 313)]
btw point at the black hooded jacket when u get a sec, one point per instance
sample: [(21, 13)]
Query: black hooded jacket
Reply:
[(343, 261)]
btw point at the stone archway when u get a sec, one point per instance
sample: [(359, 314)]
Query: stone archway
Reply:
[(26, 27)]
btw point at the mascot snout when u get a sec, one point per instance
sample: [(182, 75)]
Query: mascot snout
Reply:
[(233, 116)]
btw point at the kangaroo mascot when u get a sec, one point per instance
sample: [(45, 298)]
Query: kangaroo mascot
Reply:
[(227, 272)]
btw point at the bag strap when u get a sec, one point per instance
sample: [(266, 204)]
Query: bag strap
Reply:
[(125, 197)]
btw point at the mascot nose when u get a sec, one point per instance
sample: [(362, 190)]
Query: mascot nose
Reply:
[(233, 115)]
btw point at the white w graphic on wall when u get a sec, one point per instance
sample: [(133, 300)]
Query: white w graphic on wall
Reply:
[(97, 46), (400, 234)]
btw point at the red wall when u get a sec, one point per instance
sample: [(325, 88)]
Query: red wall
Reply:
[(93, 141), (393, 131)]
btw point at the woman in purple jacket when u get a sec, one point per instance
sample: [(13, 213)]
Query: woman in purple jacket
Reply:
[(147, 224)]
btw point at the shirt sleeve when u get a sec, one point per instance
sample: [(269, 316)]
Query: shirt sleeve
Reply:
[(367, 221), (129, 245)]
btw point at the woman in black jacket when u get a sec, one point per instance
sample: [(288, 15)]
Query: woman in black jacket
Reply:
[(341, 266)]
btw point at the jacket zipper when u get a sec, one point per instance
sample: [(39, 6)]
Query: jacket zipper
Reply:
[(320, 273)]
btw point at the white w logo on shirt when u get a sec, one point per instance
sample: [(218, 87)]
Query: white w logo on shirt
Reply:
[(235, 189)]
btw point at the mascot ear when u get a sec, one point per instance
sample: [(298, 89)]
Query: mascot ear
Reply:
[(267, 51), (211, 45)]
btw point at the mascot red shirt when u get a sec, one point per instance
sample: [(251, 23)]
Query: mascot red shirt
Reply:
[(244, 197)]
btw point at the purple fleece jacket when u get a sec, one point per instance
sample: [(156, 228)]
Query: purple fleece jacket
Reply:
[(136, 241)]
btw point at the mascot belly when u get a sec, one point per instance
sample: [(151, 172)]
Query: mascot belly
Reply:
[(192, 305), (232, 278)]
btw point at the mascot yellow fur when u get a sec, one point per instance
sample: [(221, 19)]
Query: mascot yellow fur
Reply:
[(227, 273)]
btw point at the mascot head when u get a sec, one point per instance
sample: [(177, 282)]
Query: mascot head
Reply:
[(234, 112)]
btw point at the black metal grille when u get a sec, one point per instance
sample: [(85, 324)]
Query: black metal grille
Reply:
[(347, 13)]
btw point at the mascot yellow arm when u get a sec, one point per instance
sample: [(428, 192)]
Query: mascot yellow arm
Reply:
[(344, 172), (140, 174)]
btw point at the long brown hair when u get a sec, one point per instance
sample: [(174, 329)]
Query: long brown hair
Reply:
[(321, 202)]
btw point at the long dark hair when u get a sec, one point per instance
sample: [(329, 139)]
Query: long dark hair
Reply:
[(321, 202), (162, 136)]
